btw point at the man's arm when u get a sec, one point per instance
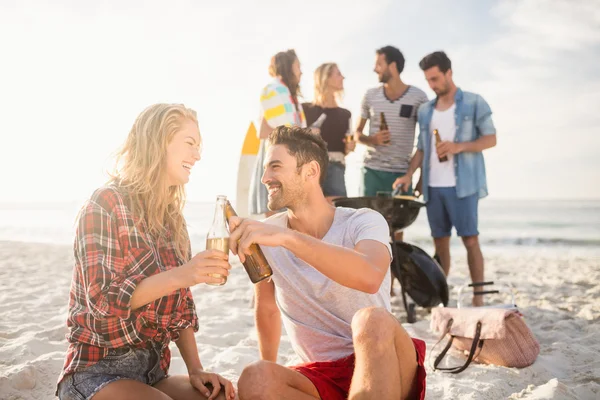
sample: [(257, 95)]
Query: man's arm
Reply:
[(415, 163), (362, 268), (482, 143), (369, 259), (268, 320), (359, 136), (485, 129)]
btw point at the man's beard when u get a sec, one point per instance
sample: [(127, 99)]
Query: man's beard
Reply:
[(385, 77), (443, 91), (286, 197), (277, 201)]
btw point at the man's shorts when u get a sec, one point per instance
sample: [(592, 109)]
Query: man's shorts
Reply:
[(332, 378), (373, 181), (445, 210)]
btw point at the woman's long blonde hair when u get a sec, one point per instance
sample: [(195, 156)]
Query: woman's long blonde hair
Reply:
[(321, 77), (140, 170)]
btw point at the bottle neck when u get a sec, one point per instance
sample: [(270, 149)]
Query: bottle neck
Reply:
[(219, 227)]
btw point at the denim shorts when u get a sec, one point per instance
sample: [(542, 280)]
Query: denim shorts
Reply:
[(335, 182), (142, 365), (445, 210)]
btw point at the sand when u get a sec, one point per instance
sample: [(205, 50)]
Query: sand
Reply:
[(558, 292)]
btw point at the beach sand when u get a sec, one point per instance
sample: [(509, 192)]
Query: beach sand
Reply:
[(558, 292)]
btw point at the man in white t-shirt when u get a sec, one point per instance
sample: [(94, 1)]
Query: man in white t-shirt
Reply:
[(453, 171), (330, 286)]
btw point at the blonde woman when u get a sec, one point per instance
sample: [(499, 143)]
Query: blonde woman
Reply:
[(130, 291), (279, 105), (335, 129)]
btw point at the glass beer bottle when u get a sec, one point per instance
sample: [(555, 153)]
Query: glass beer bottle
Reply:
[(383, 126), (256, 265), (218, 236), (438, 140)]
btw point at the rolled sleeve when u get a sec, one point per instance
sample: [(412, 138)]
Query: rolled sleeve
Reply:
[(108, 289), (420, 120), (186, 316), (483, 118), (420, 141), (188, 313)]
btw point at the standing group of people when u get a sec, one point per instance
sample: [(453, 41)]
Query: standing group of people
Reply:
[(452, 178), (130, 293)]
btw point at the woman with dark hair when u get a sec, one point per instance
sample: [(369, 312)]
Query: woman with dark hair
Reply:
[(336, 128), (279, 105)]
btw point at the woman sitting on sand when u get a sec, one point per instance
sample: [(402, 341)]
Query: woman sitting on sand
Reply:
[(130, 291)]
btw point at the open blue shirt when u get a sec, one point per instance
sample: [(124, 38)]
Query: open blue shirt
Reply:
[(473, 118)]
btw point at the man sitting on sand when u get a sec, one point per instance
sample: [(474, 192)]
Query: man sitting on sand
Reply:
[(330, 283)]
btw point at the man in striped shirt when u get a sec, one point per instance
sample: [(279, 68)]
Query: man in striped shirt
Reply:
[(388, 151)]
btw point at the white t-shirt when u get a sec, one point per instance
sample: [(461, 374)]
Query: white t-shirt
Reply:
[(316, 311), (441, 174)]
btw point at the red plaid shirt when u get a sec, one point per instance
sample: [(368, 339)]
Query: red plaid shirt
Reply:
[(112, 255)]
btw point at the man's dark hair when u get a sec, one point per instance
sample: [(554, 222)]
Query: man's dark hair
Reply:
[(436, 59), (392, 54), (304, 145)]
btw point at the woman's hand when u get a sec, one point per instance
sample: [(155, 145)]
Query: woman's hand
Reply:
[(349, 144), (202, 268), (200, 379)]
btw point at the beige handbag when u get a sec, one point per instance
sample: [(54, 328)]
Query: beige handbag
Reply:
[(497, 336)]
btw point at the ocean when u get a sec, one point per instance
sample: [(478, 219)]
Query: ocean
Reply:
[(503, 224)]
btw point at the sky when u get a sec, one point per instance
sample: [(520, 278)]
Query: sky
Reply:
[(75, 74)]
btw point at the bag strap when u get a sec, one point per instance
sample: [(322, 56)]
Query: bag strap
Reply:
[(476, 344)]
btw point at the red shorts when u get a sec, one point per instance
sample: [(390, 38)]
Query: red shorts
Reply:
[(332, 378)]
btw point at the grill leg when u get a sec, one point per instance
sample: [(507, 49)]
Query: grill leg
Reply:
[(411, 313)]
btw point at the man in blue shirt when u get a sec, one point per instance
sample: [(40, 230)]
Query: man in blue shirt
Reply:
[(455, 128)]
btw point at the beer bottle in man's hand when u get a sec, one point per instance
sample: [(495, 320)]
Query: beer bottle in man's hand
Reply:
[(383, 126), (438, 140), (256, 265)]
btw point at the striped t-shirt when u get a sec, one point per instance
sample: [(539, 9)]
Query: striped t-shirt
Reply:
[(401, 117)]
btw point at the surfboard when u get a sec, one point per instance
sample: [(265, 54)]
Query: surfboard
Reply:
[(245, 169)]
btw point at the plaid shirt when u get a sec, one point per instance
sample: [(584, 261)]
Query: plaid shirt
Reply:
[(112, 255)]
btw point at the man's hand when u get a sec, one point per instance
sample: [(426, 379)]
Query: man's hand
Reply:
[(245, 232), (448, 148), (380, 138), (419, 188), (405, 181), (199, 379)]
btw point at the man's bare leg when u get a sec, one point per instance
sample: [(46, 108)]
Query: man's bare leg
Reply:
[(386, 360), (475, 260), (442, 249), (265, 380)]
